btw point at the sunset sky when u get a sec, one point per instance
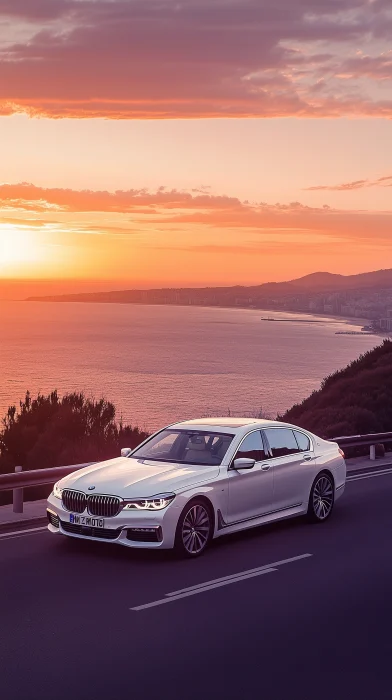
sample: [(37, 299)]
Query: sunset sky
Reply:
[(192, 142)]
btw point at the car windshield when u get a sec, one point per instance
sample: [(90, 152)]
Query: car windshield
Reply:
[(186, 447)]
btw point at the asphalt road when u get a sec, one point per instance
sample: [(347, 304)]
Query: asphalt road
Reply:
[(315, 627)]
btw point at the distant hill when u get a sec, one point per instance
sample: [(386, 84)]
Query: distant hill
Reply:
[(316, 282), (328, 281), (323, 280), (355, 400)]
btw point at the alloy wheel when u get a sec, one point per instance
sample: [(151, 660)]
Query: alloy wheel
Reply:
[(322, 497), (196, 529)]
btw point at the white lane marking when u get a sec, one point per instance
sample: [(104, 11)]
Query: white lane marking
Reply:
[(240, 574), (22, 533), (201, 590), (369, 475), (217, 583)]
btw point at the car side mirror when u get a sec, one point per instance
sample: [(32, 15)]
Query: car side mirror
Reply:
[(126, 451), (244, 463)]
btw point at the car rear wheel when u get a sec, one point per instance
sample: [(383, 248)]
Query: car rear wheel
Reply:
[(321, 500), (194, 529)]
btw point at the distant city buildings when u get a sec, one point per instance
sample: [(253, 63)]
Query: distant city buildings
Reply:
[(386, 324), (372, 304)]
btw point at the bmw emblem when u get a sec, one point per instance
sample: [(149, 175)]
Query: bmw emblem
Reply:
[(91, 488)]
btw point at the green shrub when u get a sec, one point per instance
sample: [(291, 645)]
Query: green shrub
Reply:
[(50, 431), (352, 401)]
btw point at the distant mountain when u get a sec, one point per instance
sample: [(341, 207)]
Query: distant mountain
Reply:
[(329, 282), (324, 280), (315, 282)]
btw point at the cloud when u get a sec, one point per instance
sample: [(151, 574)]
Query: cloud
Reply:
[(36, 11), (30, 197), (385, 181), (176, 214), (377, 68), (194, 58), (262, 248)]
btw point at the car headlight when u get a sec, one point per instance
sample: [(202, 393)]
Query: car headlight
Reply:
[(57, 491), (158, 502)]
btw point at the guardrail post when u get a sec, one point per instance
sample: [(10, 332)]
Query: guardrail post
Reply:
[(17, 496), (372, 452)]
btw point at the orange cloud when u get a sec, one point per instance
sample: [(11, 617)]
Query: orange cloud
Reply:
[(170, 212), (25, 195), (223, 58), (385, 181)]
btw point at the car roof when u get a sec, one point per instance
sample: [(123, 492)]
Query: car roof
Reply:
[(220, 424)]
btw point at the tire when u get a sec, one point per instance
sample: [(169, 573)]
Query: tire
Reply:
[(321, 499), (194, 529)]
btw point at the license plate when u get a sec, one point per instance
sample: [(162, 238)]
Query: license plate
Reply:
[(86, 520)]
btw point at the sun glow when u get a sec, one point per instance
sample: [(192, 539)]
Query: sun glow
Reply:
[(19, 250)]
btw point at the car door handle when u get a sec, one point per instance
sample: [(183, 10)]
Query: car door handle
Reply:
[(265, 467), (307, 458)]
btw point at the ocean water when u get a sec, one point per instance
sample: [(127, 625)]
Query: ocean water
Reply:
[(159, 364)]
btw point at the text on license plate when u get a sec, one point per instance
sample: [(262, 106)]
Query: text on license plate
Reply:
[(86, 520)]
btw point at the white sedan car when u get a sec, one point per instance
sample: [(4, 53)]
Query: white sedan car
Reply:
[(197, 480)]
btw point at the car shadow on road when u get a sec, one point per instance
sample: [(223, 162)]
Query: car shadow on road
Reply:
[(291, 529)]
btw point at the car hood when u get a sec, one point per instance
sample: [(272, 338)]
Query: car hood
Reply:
[(131, 478)]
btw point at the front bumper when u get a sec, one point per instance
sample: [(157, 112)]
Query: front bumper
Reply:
[(129, 528)]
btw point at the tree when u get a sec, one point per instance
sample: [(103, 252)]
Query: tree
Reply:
[(50, 431), (354, 400)]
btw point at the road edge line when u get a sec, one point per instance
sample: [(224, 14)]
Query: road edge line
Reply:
[(21, 533)]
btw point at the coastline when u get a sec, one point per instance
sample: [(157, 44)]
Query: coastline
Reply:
[(342, 319), (354, 321)]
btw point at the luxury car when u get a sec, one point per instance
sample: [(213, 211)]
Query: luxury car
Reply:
[(197, 480)]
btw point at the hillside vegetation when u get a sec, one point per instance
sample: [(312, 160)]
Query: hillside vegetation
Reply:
[(352, 401), (50, 431)]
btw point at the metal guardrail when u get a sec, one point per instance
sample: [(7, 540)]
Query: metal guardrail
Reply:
[(37, 477), (359, 440), (18, 480), (370, 440)]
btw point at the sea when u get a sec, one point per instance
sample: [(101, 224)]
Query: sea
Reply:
[(160, 364)]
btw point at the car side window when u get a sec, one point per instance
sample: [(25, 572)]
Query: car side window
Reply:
[(281, 441), (252, 447), (302, 440)]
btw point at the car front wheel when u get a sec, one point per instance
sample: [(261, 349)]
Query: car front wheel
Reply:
[(194, 529), (321, 498)]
